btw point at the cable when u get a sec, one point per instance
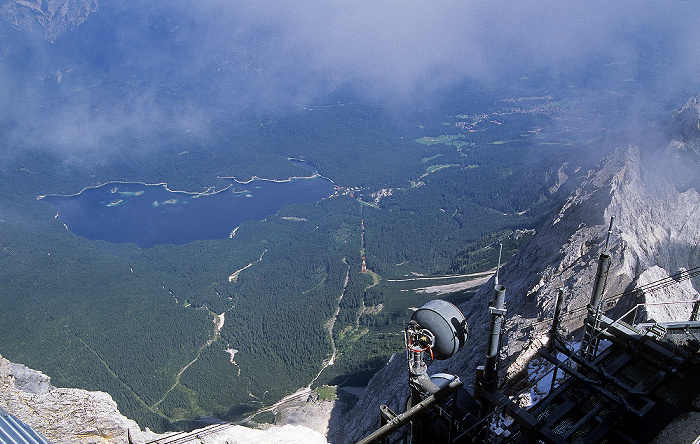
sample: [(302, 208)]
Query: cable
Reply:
[(652, 286), (661, 283)]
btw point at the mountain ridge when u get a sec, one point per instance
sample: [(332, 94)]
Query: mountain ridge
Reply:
[(47, 18), (652, 238)]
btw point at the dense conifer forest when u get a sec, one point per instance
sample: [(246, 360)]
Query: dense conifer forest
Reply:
[(226, 326), (140, 323), (442, 143)]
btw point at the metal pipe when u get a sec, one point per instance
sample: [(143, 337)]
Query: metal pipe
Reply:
[(607, 238), (477, 382), (452, 416), (555, 319), (498, 267), (385, 415), (493, 348), (600, 279), (418, 409), (553, 333), (590, 340), (417, 370)]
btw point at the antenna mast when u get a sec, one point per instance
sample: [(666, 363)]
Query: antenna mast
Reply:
[(590, 338), (498, 267), (607, 239)]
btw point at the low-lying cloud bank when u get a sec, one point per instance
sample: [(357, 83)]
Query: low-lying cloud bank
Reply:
[(176, 66)]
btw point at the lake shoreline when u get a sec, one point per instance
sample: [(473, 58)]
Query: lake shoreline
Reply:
[(210, 190), (136, 212)]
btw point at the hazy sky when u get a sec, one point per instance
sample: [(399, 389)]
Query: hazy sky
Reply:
[(391, 47), (395, 48), (160, 64)]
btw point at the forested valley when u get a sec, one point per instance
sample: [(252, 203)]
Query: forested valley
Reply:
[(126, 320), (418, 193)]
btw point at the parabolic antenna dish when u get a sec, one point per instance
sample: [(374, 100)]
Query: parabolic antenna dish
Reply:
[(447, 323)]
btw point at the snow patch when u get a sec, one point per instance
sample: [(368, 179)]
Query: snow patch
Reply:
[(540, 373), (232, 352), (219, 322)]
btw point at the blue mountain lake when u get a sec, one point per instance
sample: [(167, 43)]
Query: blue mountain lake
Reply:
[(149, 215)]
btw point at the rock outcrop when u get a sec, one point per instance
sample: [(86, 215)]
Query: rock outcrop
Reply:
[(64, 415), (651, 191), (47, 18), (312, 413), (75, 416)]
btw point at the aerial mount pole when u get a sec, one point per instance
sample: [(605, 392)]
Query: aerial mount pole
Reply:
[(418, 341), (498, 267), (490, 376), (487, 377), (590, 338), (553, 334), (437, 330)]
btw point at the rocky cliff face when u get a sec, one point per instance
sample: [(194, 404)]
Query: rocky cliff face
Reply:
[(74, 416), (47, 18), (63, 415), (652, 193)]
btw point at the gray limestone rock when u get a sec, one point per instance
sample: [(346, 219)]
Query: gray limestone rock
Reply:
[(30, 381), (75, 416), (63, 415), (47, 18)]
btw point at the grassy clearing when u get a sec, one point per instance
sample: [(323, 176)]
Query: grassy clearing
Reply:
[(503, 142), (428, 159), (327, 393), (264, 418), (434, 168), (445, 139), (375, 277)]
